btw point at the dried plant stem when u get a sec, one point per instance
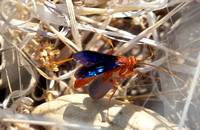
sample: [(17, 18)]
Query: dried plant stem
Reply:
[(73, 24), (9, 86), (129, 45), (65, 40), (189, 98)]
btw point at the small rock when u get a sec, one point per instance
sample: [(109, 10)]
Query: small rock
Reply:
[(81, 108)]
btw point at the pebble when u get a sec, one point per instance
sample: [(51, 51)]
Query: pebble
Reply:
[(81, 109)]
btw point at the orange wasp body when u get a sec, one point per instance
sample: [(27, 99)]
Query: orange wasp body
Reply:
[(105, 70)]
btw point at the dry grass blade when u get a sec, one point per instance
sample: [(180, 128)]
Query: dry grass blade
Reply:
[(39, 38), (126, 47), (73, 23), (190, 95)]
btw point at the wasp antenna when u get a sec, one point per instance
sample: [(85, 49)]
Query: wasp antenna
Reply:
[(163, 70), (150, 55), (105, 39), (59, 62)]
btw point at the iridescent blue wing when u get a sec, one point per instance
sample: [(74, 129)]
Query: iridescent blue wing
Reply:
[(91, 71), (90, 58)]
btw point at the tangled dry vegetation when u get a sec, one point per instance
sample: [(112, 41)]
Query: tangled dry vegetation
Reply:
[(39, 32)]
